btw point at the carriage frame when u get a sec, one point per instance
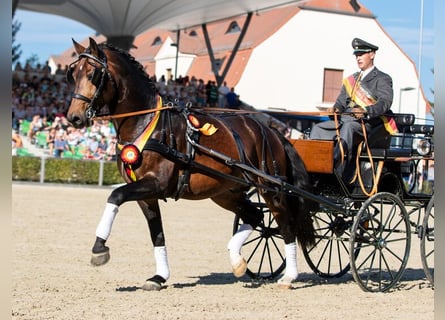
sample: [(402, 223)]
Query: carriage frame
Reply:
[(367, 234)]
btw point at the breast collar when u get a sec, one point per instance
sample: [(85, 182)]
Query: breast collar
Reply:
[(131, 153)]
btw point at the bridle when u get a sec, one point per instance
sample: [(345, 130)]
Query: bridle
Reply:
[(99, 78)]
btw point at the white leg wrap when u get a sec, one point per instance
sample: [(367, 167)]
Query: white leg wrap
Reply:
[(104, 228), (161, 262), (237, 242), (291, 273), (291, 260)]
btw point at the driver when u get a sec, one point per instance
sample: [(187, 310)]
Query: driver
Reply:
[(365, 96)]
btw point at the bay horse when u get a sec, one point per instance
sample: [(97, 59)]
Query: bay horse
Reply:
[(167, 151)]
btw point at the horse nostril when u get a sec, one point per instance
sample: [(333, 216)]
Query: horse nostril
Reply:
[(76, 121)]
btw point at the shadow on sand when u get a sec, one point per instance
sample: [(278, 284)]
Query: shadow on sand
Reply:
[(410, 279)]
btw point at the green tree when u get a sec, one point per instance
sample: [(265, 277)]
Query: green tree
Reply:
[(33, 60), (16, 52)]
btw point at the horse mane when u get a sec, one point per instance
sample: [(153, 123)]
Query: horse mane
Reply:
[(128, 56), (138, 66)]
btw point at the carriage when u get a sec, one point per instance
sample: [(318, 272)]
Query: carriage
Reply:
[(280, 189), (359, 230)]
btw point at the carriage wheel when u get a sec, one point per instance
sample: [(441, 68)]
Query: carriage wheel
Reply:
[(381, 231), (329, 257), (427, 241), (266, 259)]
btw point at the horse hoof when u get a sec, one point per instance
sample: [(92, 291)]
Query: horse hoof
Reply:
[(151, 286), (154, 283), (285, 282), (239, 269), (98, 259)]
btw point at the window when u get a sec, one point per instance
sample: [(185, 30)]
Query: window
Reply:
[(233, 27), (332, 84), (157, 41), (219, 63)]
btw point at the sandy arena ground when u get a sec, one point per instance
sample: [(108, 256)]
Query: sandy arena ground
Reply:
[(53, 230)]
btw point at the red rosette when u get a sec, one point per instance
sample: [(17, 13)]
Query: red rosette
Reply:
[(130, 154)]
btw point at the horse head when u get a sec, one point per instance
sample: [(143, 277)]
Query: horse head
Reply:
[(94, 86)]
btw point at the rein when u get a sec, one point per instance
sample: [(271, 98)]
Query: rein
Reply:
[(131, 114), (219, 110), (302, 113), (375, 174), (339, 143)]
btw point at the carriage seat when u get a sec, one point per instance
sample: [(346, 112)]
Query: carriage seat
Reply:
[(380, 141)]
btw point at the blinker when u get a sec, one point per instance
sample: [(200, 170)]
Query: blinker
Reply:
[(96, 77)]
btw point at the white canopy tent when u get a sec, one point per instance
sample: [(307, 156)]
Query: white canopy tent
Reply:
[(121, 20)]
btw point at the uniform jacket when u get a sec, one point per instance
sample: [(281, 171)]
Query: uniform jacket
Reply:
[(379, 85)]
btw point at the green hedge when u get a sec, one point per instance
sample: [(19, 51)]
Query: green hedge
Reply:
[(64, 171)]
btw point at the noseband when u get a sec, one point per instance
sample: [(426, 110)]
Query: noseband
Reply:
[(98, 79)]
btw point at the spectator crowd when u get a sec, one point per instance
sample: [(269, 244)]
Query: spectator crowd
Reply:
[(40, 101)]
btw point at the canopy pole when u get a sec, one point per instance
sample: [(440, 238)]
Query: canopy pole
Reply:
[(220, 78), (237, 45), (210, 51), (177, 53), (122, 42)]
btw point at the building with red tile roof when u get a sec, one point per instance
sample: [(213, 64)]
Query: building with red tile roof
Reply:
[(290, 58)]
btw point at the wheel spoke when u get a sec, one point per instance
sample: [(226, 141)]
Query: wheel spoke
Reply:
[(255, 249), (381, 230), (326, 257), (263, 255), (427, 241)]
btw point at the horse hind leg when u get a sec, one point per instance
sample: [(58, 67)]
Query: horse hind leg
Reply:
[(284, 218), (290, 249), (291, 272)]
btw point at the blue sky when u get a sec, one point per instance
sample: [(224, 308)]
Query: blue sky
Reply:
[(44, 35)]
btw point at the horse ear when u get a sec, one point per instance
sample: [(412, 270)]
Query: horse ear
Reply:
[(94, 48), (78, 47)]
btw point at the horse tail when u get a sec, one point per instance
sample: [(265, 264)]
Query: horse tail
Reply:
[(299, 207)]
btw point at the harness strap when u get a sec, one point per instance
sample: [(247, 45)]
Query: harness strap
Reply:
[(239, 145), (266, 145), (184, 178), (176, 156)]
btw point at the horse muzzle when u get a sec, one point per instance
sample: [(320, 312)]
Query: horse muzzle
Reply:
[(78, 120)]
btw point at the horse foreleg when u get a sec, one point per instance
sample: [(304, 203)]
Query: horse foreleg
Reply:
[(152, 214), (101, 253), (251, 217), (139, 190), (239, 264)]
